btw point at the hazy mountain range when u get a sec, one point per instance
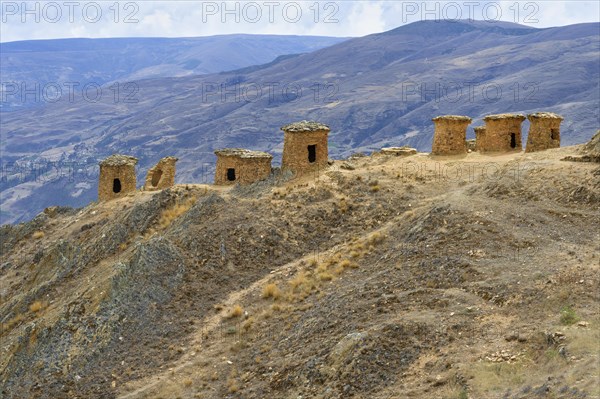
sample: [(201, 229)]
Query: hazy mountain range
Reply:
[(101, 61), (373, 91)]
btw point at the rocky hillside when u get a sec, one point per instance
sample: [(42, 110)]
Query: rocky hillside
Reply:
[(382, 276), (374, 91)]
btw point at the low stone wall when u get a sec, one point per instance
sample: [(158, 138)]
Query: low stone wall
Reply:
[(502, 133), (398, 151), (450, 136), (161, 175), (544, 131)]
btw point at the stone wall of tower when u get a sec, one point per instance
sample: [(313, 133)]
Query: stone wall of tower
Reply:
[(125, 174), (247, 170), (479, 137), (544, 132), (161, 175), (450, 135), (296, 152), (502, 133)]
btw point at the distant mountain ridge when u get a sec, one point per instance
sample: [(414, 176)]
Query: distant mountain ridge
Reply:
[(374, 91), (101, 61)]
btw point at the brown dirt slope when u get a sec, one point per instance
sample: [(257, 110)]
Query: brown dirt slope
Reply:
[(380, 277)]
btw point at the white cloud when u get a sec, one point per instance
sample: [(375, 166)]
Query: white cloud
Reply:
[(158, 20), (202, 18)]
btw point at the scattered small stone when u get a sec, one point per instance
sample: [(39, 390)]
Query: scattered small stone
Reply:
[(513, 336), (503, 356), (347, 166), (439, 380), (398, 151)]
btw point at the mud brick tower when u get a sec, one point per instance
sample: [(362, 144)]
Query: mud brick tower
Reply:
[(237, 165), (161, 175), (117, 177), (544, 131), (502, 133), (450, 136), (305, 146)]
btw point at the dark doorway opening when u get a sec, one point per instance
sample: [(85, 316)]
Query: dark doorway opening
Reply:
[(231, 174), (554, 134), (513, 140), (156, 177), (312, 153), (116, 186)]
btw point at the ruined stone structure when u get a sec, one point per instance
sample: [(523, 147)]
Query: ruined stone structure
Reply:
[(117, 177), (450, 136), (161, 175), (398, 151), (479, 137), (236, 165), (502, 133), (305, 146), (544, 131)]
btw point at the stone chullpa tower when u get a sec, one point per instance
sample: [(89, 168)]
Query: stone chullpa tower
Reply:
[(305, 146), (544, 131), (117, 177), (502, 133), (161, 175), (236, 165), (450, 136), (479, 137)]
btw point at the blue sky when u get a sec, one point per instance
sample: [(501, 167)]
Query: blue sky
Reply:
[(66, 19)]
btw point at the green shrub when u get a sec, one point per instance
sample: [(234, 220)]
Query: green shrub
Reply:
[(568, 316)]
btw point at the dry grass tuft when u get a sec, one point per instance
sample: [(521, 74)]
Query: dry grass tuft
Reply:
[(376, 238), (38, 234), (497, 376), (271, 291), (168, 215), (325, 276), (322, 268), (235, 311), (343, 205), (298, 281), (247, 324), (15, 321), (232, 385), (37, 306), (232, 382)]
